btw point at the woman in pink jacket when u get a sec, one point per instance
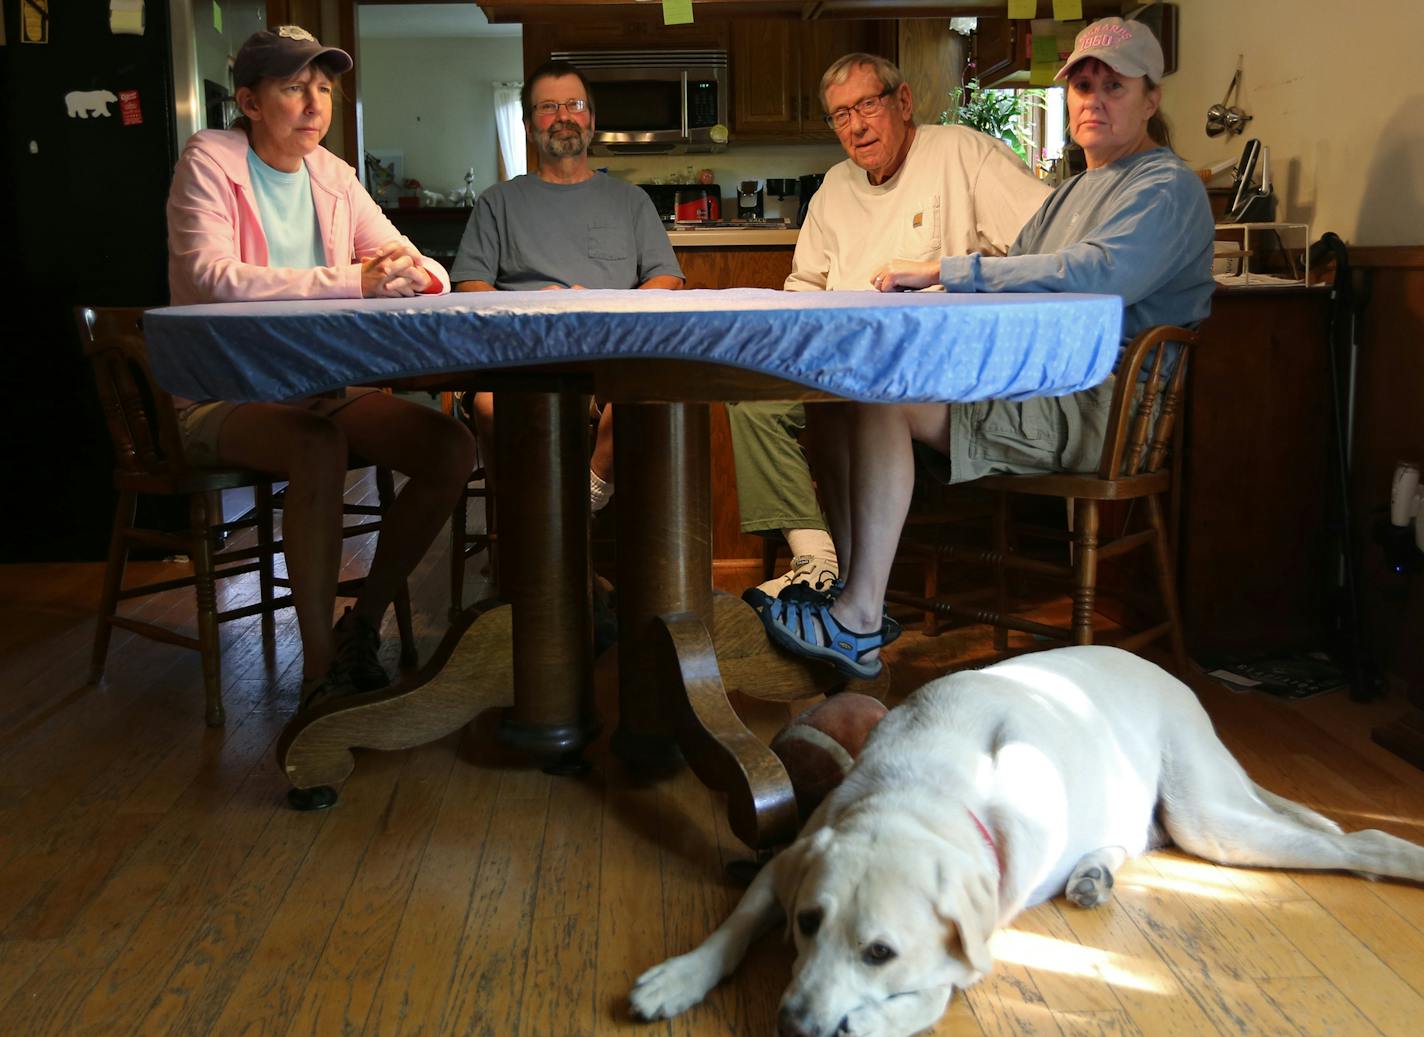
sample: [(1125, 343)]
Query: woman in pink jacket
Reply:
[(264, 212)]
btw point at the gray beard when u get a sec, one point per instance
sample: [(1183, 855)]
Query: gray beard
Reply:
[(564, 146)]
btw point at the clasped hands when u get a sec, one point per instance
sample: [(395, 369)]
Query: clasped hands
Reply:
[(392, 270)]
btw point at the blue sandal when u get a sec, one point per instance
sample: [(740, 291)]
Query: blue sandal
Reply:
[(802, 624)]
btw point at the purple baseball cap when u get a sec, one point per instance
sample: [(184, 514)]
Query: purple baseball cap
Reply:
[(282, 52)]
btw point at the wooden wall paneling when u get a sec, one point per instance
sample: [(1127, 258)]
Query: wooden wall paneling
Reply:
[(932, 59), (1254, 567), (1389, 427)]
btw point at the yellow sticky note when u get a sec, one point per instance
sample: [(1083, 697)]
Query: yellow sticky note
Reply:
[(1023, 8), (1044, 60), (677, 12), (1045, 49), (1067, 10)]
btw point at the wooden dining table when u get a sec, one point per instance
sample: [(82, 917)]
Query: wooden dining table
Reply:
[(663, 358)]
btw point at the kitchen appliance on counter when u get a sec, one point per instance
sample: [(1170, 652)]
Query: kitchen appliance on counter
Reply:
[(751, 200), (667, 197), (655, 102), (808, 187), (701, 204)]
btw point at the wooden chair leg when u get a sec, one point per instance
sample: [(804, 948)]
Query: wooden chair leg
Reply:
[(386, 494), (458, 518), (113, 581), (1085, 569), (770, 548), (1166, 583), (1001, 571), (930, 618), (266, 541), (209, 647)]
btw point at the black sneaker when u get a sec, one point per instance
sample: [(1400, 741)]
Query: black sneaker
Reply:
[(357, 652), (317, 690)]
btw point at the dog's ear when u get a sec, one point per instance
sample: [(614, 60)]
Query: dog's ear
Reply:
[(791, 865), (969, 904)]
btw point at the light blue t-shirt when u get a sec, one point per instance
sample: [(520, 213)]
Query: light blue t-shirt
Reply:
[(526, 234), (1139, 227), (288, 215)]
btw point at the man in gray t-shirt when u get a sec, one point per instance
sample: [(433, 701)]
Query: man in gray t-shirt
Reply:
[(563, 226)]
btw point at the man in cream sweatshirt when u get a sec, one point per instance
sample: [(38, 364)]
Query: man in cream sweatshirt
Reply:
[(906, 191)]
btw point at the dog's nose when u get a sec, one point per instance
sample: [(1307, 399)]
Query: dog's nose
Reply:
[(791, 1023)]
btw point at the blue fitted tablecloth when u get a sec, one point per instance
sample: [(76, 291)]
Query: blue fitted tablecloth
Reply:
[(908, 347)]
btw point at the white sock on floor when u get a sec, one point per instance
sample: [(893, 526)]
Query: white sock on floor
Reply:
[(814, 542), (600, 491)]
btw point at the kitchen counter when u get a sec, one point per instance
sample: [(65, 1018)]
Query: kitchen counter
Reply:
[(736, 237)]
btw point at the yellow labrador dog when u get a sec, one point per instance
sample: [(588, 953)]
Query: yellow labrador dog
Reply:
[(984, 793)]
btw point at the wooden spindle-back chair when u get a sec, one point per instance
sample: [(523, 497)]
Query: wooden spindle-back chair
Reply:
[(1135, 465), (149, 459)]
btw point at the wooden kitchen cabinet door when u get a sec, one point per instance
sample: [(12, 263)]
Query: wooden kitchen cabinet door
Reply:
[(998, 50), (765, 77), (822, 42)]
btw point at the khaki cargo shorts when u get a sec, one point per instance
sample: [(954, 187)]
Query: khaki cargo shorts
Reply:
[(1023, 437), (200, 424)]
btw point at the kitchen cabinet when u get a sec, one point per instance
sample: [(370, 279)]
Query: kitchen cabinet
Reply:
[(998, 50), (1254, 570), (777, 64)]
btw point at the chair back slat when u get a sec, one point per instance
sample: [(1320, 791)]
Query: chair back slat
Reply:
[(138, 413), (1143, 412)]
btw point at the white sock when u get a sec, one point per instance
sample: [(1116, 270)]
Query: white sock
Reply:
[(600, 491), (814, 542)]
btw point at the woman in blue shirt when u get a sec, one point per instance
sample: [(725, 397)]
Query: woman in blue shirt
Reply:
[(1135, 224)]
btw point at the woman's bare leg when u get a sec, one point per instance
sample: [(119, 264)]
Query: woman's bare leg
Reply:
[(309, 451), (436, 453), (881, 481)]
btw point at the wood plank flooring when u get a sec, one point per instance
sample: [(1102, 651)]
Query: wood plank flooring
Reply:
[(153, 881)]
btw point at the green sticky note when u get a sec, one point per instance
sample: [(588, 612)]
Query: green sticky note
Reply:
[(1045, 49), (677, 12), (1041, 73), (217, 16), (1067, 10), (1023, 8)]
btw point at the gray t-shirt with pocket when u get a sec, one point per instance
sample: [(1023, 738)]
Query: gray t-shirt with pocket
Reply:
[(526, 234)]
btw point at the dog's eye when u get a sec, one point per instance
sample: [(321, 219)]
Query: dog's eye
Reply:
[(809, 921), (877, 954)]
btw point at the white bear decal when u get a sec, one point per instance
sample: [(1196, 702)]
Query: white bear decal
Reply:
[(84, 103)]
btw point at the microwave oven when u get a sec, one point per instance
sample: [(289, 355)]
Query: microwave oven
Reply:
[(655, 102)]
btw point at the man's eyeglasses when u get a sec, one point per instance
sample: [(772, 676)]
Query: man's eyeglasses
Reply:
[(575, 106), (840, 118)]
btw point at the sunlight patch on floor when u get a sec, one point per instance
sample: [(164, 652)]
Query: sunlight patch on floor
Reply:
[(1189, 877), (1035, 951)]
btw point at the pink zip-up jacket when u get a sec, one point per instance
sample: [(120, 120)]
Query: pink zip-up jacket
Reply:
[(217, 251)]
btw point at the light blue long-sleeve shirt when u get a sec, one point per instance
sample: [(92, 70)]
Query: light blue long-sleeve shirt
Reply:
[(1140, 227)]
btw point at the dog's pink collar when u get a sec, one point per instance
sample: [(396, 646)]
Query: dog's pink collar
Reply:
[(989, 839)]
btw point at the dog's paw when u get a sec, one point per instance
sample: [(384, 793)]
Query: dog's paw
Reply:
[(673, 987), (1089, 885)]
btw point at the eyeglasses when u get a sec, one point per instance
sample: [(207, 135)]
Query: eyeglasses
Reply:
[(575, 106), (840, 118)]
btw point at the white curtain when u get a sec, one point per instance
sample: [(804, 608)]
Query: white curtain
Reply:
[(509, 124)]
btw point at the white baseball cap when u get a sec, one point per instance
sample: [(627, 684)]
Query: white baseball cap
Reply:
[(1127, 47)]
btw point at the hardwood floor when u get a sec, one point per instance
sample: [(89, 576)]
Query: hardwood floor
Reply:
[(153, 881)]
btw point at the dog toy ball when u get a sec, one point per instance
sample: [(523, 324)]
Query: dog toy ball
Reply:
[(818, 746)]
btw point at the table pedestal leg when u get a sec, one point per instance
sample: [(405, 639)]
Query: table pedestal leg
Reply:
[(541, 445), (663, 470)]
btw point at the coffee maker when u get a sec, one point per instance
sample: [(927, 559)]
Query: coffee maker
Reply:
[(751, 200)]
